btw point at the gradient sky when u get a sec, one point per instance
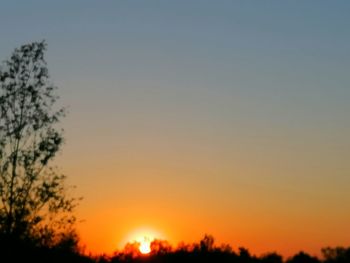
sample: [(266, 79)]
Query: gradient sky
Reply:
[(192, 117)]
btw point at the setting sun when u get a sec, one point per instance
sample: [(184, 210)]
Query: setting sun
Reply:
[(140, 240), (143, 234), (145, 245)]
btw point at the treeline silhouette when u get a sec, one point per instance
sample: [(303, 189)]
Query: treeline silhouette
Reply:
[(15, 250), (207, 251)]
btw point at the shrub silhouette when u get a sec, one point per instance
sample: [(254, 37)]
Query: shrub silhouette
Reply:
[(336, 255), (303, 257), (207, 251), (271, 258)]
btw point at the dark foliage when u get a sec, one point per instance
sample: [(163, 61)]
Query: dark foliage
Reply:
[(36, 219), (14, 250), (207, 251), (302, 257), (336, 255)]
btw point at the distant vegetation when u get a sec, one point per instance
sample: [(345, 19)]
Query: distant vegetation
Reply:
[(162, 252), (36, 212), (207, 251)]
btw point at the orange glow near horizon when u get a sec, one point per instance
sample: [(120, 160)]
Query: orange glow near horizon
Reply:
[(183, 226)]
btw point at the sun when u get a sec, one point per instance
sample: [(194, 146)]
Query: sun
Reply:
[(145, 245), (143, 238)]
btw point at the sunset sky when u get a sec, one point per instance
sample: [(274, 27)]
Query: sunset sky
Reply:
[(189, 117)]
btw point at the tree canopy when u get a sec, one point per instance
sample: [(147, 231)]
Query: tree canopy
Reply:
[(34, 200)]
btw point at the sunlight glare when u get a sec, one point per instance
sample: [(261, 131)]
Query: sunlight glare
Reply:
[(145, 245), (144, 237)]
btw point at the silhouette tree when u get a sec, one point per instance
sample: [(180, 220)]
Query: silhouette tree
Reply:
[(303, 257), (34, 203), (336, 255), (245, 255), (207, 243), (271, 258), (159, 247)]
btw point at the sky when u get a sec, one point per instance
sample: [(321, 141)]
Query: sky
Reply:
[(190, 117)]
